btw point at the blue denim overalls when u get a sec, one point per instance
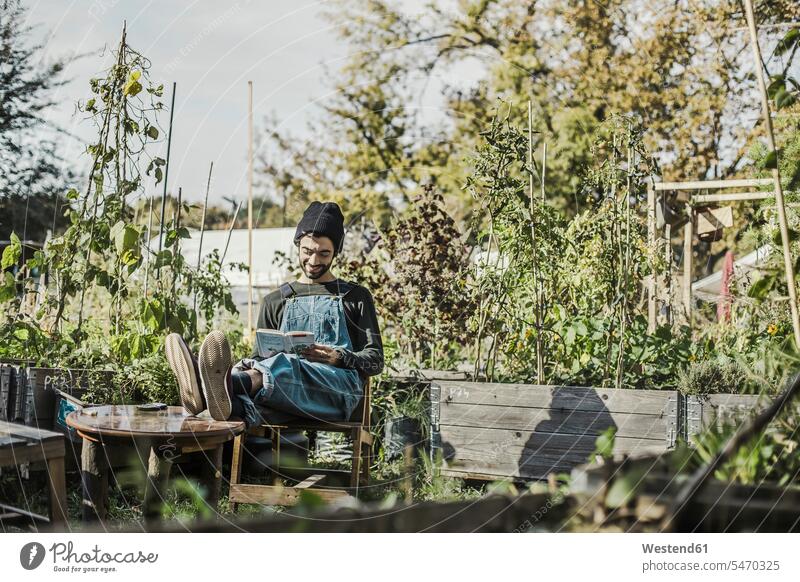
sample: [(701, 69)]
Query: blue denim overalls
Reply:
[(296, 386)]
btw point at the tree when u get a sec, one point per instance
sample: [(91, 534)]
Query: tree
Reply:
[(685, 76), (30, 179)]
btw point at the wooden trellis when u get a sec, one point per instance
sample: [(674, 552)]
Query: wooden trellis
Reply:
[(690, 194)]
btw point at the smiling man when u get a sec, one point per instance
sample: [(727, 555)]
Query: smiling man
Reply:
[(326, 381)]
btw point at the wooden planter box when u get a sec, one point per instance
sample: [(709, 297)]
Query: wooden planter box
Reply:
[(494, 431)]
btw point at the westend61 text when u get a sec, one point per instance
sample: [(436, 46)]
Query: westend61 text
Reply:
[(674, 549)]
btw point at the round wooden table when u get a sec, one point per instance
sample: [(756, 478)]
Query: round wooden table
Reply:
[(165, 436)]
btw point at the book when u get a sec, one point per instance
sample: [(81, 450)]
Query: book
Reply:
[(270, 341)]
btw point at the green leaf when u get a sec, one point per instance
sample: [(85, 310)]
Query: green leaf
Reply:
[(125, 238), (8, 290), (762, 287), (152, 132), (12, 252), (159, 175), (624, 487), (784, 99), (771, 161), (778, 83), (72, 194), (787, 42), (604, 444), (132, 88)]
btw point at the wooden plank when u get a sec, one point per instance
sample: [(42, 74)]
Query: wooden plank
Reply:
[(310, 481), (28, 432), (713, 184), (512, 453), (269, 495), (732, 197), (31, 452), (557, 397), (548, 420), (712, 219), (10, 441), (728, 407)]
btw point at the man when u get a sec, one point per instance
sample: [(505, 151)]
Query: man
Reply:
[(327, 380)]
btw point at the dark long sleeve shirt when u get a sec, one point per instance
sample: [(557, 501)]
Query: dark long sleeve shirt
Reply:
[(362, 321)]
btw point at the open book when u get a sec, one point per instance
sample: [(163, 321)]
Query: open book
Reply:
[(270, 341)]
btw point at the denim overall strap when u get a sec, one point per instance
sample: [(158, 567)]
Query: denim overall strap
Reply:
[(322, 314)]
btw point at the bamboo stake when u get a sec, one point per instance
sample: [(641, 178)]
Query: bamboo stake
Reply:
[(202, 231), (688, 260), (166, 171), (776, 175), (544, 168), (230, 231), (250, 208), (177, 239), (149, 237), (651, 242), (538, 312)]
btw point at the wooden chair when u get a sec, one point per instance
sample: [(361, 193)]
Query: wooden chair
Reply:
[(358, 427)]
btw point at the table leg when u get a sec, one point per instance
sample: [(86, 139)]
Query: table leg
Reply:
[(212, 476), (58, 491), (94, 481), (158, 469)]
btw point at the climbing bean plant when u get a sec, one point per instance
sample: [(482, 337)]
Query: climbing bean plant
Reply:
[(110, 298)]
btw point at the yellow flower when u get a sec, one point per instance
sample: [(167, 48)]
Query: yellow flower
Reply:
[(772, 329), (692, 357)]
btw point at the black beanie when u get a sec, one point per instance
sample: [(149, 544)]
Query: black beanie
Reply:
[(323, 219)]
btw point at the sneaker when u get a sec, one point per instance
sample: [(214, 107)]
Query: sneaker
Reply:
[(215, 372), (184, 366)]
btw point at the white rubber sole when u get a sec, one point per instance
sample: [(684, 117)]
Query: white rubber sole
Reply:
[(180, 360), (214, 363)]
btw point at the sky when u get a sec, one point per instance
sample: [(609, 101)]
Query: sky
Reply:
[(211, 50)]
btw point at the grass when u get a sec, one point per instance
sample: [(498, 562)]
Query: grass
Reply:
[(391, 482)]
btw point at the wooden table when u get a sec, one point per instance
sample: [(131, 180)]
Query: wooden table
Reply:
[(164, 436), (24, 444)]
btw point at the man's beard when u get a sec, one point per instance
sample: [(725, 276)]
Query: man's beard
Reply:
[(318, 274)]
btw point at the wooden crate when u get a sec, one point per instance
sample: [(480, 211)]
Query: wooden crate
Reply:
[(525, 432)]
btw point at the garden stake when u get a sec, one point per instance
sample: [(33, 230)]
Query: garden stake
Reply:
[(166, 172), (250, 209), (149, 237), (536, 286), (776, 175), (230, 230), (202, 230)]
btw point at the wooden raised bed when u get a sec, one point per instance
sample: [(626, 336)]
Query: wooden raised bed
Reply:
[(494, 431)]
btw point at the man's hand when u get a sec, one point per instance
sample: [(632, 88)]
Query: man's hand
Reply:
[(323, 354)]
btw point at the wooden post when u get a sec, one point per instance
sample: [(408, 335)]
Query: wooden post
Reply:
[(668, 278), (651, 242), (776, 175), (688, 236), (250, 208), (537, 290), (94, 479)]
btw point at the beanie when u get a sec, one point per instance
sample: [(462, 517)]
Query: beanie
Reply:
[(322, 219)]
